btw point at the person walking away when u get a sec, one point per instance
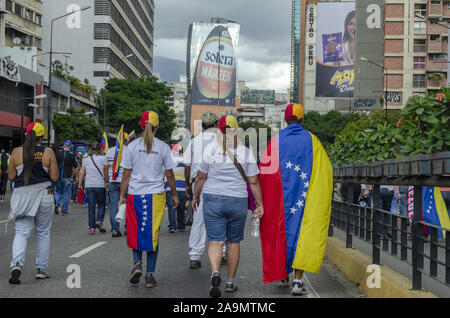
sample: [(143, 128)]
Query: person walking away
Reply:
[(34, 168), (114, 186), (192, 158), (297, 185), (145, 162), (176, 216), (95, 186), (220, 178), (4, 164), (67, 164)]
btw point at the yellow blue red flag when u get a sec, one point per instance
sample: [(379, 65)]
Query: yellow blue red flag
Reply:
[(297, 183), (104, 142), (118, 154), (434, 209)]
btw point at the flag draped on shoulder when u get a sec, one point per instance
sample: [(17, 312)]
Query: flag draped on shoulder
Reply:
[(434, 209), (118, 154), (104, 142), (297, 183)]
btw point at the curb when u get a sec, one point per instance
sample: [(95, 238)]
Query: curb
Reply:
[(354, 265)]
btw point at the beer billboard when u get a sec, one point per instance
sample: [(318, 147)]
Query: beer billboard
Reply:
[(335, 49), (214, 80)]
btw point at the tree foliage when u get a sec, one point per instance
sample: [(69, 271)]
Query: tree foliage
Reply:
[(86, 128), (127, 99)]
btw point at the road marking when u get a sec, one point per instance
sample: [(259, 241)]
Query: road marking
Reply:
[(87, 250), (312, 288)]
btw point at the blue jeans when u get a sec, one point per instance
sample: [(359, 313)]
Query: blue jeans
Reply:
[(151, 259), (114, 196), (24, 226), (62, 193), (96, 196), (403, 208), (178, 214)]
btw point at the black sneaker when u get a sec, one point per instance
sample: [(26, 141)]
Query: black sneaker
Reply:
[(57, 210), (150, 281), (116, 234), (223, 261), (298, 289), (136, 273), (15, 274), (214, 291), (42, 274), (230, 287), (195, 264), (100, 227), (172, 231)]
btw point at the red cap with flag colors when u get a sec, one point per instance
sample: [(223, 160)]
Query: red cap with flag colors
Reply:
[(228, 122), (149, 117), (294, 112), (38, 129)]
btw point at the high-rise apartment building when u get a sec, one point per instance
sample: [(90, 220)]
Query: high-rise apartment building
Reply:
[(112, 38), (295, 50)]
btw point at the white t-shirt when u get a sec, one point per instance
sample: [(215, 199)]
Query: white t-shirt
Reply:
[(110, 157), (223, 176), (93, 177), (147, 170), (193, 155)]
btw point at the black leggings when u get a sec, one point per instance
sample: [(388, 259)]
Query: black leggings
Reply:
[(3, 183)]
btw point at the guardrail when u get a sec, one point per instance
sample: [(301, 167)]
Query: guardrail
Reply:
[(389, 231)]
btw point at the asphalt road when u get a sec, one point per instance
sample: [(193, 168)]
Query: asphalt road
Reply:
[(106, 268)]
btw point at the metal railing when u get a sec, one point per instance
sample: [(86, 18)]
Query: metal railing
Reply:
[(390, 232)]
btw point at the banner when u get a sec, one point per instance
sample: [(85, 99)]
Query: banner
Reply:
[(214, 80), (335, 49)]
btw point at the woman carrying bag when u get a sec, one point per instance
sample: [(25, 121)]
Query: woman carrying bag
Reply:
[(145, 162), (223, 175)]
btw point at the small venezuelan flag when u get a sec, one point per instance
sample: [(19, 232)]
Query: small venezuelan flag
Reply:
[(118, 154), (104, 142), (131, 135)]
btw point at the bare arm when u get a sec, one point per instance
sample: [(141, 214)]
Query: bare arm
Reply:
[(173, 187), (198, 187), (53, 167), (106, 176), (124, 185), (12, 166), (81, 177), (187, 179), (257, 194)]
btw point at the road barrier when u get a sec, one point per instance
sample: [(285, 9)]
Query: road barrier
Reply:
[(391, 232)]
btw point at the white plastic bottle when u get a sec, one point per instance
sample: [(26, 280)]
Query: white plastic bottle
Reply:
[(255, 227)]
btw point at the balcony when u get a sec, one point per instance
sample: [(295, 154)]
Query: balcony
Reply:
[(436, 65), (434, 46), (436, 82), (435, 10)]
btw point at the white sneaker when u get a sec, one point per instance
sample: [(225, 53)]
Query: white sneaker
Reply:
[(298, 289)]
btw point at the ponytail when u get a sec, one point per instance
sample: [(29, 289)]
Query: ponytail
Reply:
[(27, 155), (148, 138)]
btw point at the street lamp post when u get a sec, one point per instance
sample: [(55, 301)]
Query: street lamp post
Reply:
[(49, 104), (23, 111), (104, 91), (385, 83)]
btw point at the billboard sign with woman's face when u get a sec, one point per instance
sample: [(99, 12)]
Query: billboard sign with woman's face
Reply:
[(214, 81), (335, 56)]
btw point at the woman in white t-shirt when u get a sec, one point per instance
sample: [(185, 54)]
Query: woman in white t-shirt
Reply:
[(225, 199), (92, 167), (145, 162)]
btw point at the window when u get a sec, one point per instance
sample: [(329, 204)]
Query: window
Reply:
[(435, 2), (9, 5), (419, 80), (38, 43), (28, 14), (421, 94), (438, 57), (18, 9), (420, 28), (101, 55), (420, 45), (435, 37), (420, 8), (102, 31), (419, 63), (38, 19)]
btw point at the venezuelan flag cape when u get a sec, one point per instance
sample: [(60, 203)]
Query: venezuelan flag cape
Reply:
[(104, 142), (144, 216), (434, 209), (297, 184), (118, 154)]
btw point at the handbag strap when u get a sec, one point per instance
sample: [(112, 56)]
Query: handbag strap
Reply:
[(92, 158), (237, 165), (62, 166)]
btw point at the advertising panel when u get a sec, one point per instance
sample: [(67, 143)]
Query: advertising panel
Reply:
[(335, 49), (257, 97), (214, 81)]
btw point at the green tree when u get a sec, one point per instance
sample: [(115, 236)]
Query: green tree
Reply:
[(85, 127), (127, 99)]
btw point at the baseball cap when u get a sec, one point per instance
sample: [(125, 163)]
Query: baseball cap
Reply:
[(228, 122), (149, 117), (294, 112), (38, 129), (209, 118), (67, 143)]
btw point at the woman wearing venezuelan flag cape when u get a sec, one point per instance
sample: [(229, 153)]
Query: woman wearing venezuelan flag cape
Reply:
[(145, 162)]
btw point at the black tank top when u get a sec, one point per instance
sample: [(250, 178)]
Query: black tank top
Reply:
[(38, 174)]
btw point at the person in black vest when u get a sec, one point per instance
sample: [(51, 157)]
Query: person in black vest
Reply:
[(67, 164), (34, 168)]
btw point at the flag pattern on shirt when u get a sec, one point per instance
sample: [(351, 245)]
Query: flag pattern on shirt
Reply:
[(144, 216), (118, 154), (297, 183)]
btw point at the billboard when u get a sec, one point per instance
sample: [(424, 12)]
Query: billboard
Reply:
[(335, 49), (370, 45), (214, 80), (257, 97)]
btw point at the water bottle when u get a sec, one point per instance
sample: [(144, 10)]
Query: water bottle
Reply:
[(120, 216), (255, 227)]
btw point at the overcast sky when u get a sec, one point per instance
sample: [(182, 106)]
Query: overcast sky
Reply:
[(265, 37)]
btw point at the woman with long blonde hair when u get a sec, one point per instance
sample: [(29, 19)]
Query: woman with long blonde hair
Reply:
[(145, 162)]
